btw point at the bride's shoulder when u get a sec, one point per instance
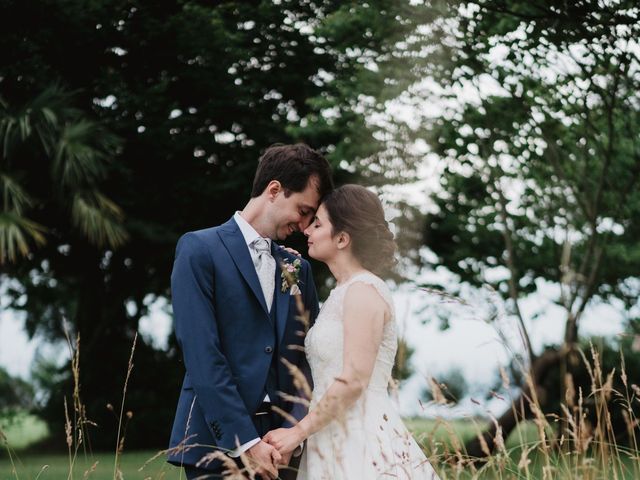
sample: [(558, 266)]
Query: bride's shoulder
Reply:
[(368, 290), (368, 278)]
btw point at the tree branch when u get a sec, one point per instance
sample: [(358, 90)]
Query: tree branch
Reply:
[(513, 277)]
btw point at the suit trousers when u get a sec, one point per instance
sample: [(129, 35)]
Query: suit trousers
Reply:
[(263, 424)]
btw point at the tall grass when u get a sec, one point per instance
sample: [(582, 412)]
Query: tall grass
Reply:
[(565, 446)]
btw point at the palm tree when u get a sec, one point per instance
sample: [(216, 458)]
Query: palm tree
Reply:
[(76, 151)]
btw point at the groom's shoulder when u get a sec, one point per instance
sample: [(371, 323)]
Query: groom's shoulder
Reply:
[(196, 236), (203, 239), (206, 235)]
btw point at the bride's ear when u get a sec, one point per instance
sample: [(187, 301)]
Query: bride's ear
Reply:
[(344, 240)]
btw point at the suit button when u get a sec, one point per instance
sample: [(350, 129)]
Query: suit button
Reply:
[(268, 349)]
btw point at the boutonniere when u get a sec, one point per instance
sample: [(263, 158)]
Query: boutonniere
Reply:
[(290, 276)]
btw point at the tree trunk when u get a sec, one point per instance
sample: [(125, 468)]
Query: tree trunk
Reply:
[(519, 408)]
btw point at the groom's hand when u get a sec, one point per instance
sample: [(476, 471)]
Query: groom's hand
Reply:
[(266, 458)]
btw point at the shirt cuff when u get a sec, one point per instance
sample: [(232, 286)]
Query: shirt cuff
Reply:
[(243, 448), (298, 451)]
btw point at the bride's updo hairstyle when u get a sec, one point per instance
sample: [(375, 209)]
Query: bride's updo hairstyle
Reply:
[(355, 210)]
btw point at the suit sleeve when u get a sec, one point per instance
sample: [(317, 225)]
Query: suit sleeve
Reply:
[(192, 287), (310, 299)]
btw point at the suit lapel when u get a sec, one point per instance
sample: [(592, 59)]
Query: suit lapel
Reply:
[(281, 298), (234, 242)]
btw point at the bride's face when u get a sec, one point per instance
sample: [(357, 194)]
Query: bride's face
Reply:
[(322, 243)]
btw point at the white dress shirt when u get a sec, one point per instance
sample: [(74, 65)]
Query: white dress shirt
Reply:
[(250, 235)]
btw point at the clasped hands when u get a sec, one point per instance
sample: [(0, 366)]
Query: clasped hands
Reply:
[(275, 450)]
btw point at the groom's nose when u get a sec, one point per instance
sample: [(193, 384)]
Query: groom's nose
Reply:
[(303, 224)]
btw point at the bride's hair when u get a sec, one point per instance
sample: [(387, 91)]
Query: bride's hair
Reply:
[(355, 210)]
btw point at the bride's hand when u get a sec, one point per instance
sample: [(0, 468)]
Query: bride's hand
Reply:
[(285, 440), (292, 251)]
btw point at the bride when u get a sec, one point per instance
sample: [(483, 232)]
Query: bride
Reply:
[(352, 429)]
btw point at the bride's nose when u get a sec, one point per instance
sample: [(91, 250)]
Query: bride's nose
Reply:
[(306, 231)]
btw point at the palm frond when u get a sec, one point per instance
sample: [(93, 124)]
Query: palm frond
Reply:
[(41, 115), (99, 219), (14, 197), (78, 150), (16, 233), (77, 161)]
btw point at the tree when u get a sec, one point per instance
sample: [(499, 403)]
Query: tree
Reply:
[(48, 127), (402, 368), (16, 395), (541, 168), (192, 91)]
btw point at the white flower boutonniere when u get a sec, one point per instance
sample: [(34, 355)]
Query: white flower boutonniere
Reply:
[(290, 276)]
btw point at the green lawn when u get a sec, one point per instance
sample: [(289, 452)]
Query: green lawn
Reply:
[(24, 430), (464, 429), (56, 467), (434, 435)]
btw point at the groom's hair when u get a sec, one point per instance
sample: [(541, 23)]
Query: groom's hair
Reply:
[(292, 166)]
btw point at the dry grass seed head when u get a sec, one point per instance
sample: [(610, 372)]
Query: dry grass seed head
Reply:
[(436, 392), (299, 380), (570, 390), (505, 378), (230, 468), (67, 424)]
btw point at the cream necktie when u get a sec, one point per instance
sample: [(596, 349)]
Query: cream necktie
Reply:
[(265, 268)]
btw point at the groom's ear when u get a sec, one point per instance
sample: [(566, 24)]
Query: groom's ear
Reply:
[(273, 189)]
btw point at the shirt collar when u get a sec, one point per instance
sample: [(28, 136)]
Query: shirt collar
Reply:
[(248, 232)]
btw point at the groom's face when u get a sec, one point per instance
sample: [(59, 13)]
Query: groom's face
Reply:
[(294, 213)]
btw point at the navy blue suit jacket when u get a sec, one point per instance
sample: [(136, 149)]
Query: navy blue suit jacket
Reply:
[(227, 339)]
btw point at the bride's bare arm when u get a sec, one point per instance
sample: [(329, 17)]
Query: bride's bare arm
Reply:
[(365, 313)]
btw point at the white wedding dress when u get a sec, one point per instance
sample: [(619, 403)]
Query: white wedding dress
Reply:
[(371, 441)]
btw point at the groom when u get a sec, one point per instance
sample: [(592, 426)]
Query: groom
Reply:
[(236, 319)]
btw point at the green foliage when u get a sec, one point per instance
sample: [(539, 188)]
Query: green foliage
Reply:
[(15, 394), (126, 124), (402, 368), (21, 430), (47, 127), (541, 166)]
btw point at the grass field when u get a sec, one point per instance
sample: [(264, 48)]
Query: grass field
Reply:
[(22, 463), (97, 467), (435, 435), (27, 465)]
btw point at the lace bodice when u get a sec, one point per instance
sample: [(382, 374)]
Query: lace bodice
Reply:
[(325, 339)]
